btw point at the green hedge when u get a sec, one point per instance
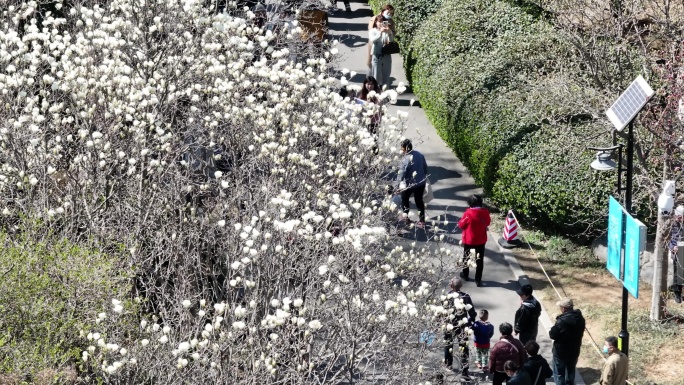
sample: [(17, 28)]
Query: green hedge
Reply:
[(547, 180), (510, 97)]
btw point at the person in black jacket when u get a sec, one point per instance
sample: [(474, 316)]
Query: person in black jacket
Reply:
[(536, 365), (526, 322), (516, 376), (463, 317), (567, 336)]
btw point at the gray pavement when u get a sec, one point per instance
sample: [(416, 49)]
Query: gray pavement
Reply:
[(451, 181)]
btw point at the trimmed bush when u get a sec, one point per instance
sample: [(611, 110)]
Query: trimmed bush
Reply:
[(508, 95), (50, 289), (547, 179)]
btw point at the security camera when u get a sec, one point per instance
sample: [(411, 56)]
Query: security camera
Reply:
[(666, 198)]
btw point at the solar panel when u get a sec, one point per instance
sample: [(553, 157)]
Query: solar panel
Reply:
[(629, 103)]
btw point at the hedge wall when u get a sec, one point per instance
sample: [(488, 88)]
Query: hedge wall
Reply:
[(510, 97)]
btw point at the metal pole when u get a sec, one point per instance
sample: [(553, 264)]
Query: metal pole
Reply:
[(624, 334), (621, 169)]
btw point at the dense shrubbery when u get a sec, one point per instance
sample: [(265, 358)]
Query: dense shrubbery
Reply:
[(507, 93), (50, 288)]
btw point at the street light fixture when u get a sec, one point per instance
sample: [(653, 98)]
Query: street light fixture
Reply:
[(622, 114), (604, 163)]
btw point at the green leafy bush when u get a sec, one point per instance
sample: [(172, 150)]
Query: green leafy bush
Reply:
[(49, 288), (507, 94), (376, 5), (547, 179)]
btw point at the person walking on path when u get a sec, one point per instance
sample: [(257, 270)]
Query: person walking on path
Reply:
[(474, 224), (526, 322), (463, 311), (536, 365), (371, 84), (483, 332), (617, 365), (413, 174), (508, 348), (515, 375), (381, 65), (567, 336), (678, 271)]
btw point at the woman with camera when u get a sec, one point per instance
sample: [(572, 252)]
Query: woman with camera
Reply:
[(381, 64)]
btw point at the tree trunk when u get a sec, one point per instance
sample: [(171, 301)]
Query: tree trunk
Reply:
[(659, 284)]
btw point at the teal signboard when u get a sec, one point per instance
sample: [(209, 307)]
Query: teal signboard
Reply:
[(626, 239), (615, 220), (635, 238)]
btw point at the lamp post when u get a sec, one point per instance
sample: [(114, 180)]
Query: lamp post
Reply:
[(604, 163)]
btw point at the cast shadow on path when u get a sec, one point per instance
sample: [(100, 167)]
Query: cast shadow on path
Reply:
[(438, 173), (510, 285), (339, 27), (407, 102), (452, 192), (351, 41)]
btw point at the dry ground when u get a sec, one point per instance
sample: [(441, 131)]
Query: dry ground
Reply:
[(656, 350)]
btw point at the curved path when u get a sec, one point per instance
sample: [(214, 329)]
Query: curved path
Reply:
[(451, 181)]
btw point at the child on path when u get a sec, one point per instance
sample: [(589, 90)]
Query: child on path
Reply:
[(483, 331)]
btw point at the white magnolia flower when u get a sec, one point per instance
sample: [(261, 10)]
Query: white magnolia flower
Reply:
[(315, 325)]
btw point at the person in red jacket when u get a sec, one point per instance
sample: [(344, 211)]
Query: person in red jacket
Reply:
[(474, 224), (508, 348)]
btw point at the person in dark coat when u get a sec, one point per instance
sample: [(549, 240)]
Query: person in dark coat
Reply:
[(414, 172), (463, 317), (535, 365), (567, 336), (675, 237), (516, 376), (508, 348), (526, 323)]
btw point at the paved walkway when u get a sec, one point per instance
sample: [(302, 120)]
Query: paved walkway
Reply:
[(451, 181)]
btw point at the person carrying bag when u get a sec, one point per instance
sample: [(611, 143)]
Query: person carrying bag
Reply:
[(381, 64)]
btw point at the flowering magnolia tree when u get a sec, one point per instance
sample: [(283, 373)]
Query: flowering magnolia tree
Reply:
[(243, 196)]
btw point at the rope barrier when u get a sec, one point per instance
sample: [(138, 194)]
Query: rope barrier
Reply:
[(593, 341)]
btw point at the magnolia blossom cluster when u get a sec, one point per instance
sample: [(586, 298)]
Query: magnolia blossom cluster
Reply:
[(217, 326), (218, 162)]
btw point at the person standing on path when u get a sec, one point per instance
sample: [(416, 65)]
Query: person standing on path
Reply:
[(678, 267), (387, 14), (381, 65), (526, 322), (508, 348), (617, 365), (461, 307), (371, 84), (474, 224), (413, 172), (483, 331), (536, 365), (567, 336), (515, 375)]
